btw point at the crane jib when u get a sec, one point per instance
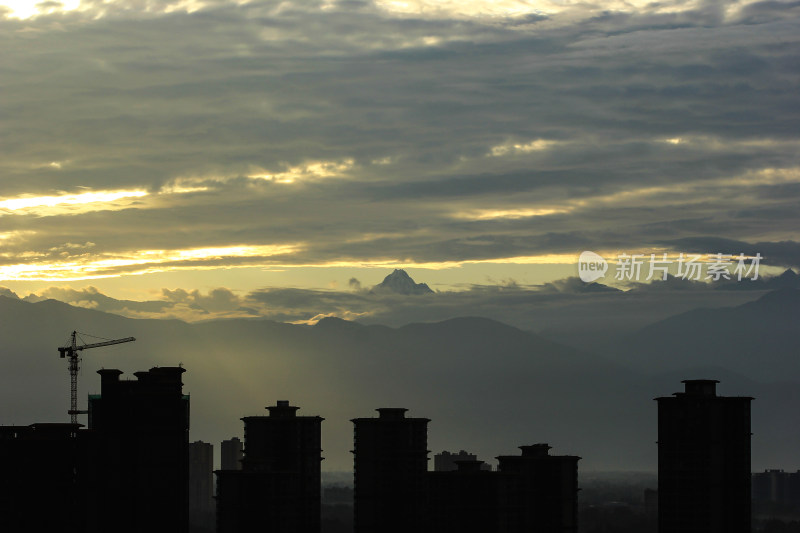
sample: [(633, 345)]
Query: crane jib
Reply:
[(71, 351), (64, 350)]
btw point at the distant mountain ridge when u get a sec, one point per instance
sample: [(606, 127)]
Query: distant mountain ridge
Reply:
[(759, 339), (486, 386)]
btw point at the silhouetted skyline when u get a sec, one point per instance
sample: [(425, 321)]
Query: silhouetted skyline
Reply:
[(433, 367), (135, 461)]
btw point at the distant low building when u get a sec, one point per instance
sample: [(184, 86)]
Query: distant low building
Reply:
[(777, 486), (231, 454), (534, 491), (201, 486), (447, 461), (651, 510), (337, 495)]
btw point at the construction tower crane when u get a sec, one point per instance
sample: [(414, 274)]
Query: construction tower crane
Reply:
[(71, 352)]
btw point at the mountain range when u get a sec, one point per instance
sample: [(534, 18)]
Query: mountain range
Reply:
[(486, 386), (760, 339)]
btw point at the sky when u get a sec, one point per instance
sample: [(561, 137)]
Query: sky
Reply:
[(218, 154)]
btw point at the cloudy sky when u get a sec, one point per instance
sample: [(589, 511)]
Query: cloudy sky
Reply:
[(197, 151)]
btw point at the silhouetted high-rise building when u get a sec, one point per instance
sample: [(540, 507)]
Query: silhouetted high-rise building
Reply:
[(127, 473), (391, 462), (463, 499), (139, 453), (231, 454), (703, 461), (538, 491), (278, 487), (41, 478), (201, 486)]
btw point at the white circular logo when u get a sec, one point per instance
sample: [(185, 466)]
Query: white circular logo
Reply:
[(591, 267)]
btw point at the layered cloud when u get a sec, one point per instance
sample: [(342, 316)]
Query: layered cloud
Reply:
[(558, 308), (147, 137)]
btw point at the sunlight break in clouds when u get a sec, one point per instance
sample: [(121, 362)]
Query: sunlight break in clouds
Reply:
[(524, 8), (140, 262), (707, 142), (429, 9), (49, 205), (475, 8), (100, 266), (491, 214), (513, 148), (24, 9), (313, 169), (14, 236), (27, 9), (75, 204)]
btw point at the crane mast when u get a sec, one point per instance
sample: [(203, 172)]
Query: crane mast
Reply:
[(71, 352)]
